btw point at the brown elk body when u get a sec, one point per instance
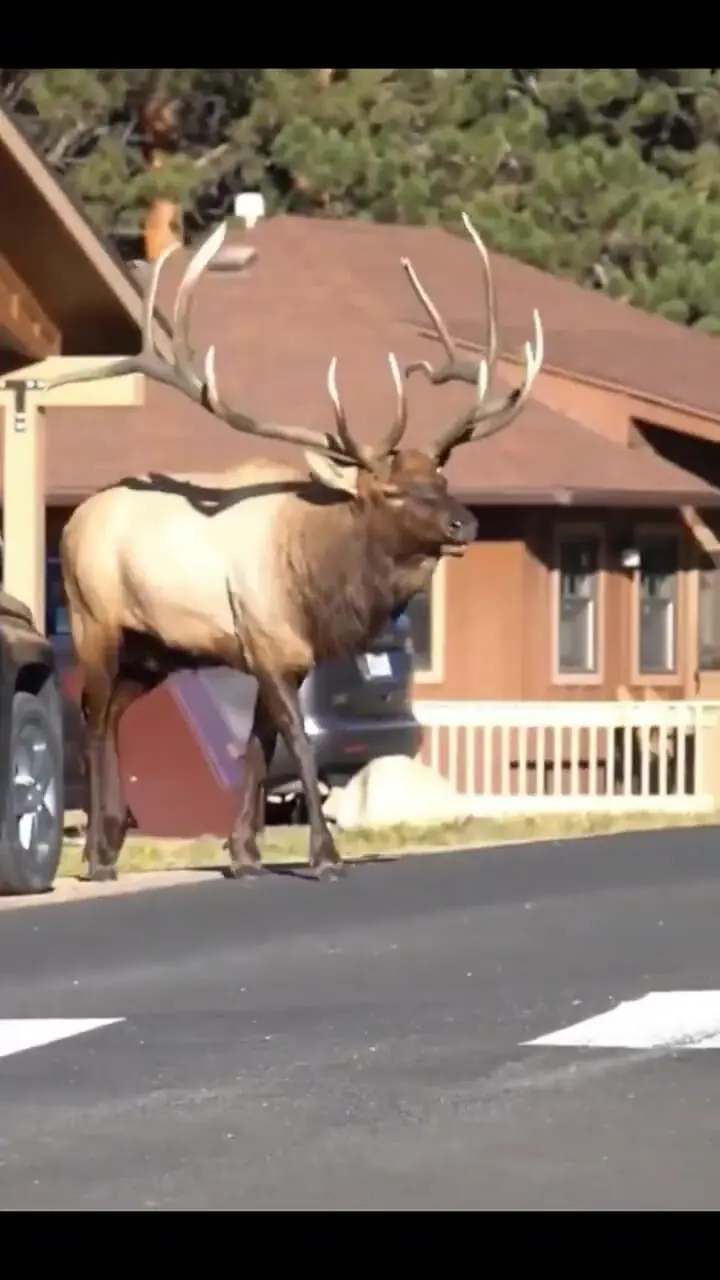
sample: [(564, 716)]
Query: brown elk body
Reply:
[(264, 569)]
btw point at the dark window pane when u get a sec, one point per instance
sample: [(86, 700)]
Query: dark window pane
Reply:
[(577, 612), (656, 639), (419, 612), (578, 567), (56, 619), (574, 637), (659, 565), (658, 592)]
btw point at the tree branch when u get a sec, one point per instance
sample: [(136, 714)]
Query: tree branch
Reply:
[(211, 156)]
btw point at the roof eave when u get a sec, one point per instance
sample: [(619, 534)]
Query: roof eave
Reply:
[(579, 497), (107, 262), (503, 497)]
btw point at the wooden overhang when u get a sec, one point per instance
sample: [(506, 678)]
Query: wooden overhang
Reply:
[(65, 296), (77, 297), (25, 329)]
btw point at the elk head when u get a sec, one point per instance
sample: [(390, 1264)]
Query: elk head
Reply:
[(408, 482), (405, 482)]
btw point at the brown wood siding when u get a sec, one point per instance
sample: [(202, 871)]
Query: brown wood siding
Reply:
[(500, 602), (484, 621)]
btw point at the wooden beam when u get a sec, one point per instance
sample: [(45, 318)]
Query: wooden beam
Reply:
[(124, 392), (22, 319), (701, 531)]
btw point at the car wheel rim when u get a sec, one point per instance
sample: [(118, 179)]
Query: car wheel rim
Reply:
[(34, 793)]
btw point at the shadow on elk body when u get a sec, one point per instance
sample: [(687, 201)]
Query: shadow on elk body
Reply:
[(261, 568)]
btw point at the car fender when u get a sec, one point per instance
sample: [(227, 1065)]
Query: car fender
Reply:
[(21, 649)]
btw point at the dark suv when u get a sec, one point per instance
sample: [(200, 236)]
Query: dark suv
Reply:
[(355, 710)]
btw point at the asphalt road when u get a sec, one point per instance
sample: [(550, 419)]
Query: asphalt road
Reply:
[(361, 1044)]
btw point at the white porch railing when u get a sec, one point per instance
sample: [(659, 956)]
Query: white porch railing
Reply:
[(534, 757)]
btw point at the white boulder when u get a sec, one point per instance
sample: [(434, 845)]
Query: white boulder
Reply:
[(393, 791)]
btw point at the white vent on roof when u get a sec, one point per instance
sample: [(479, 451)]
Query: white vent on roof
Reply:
[(233, 257), (250, 206)]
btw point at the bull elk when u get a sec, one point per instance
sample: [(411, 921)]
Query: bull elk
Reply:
[(261, 568)]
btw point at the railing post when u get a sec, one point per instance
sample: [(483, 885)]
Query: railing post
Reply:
[(658, 756), (707, 755)]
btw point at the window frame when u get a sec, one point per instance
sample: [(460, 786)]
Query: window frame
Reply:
[(435, 673), (562, 535), (647, 535), (714, 567)]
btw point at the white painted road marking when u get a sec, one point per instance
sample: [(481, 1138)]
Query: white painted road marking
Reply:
[(661, 1019), (18, 1034)]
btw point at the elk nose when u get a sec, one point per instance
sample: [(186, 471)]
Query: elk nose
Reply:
[(459, 530), (463, 528)]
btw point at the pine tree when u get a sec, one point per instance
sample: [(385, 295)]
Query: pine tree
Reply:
[(611, 177)]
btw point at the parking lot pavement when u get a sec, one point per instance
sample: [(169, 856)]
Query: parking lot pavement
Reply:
[(370, 1043)]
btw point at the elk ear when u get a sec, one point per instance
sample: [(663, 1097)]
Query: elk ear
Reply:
[(336, 475)]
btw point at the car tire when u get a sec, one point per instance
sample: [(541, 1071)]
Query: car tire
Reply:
[(31, 839)]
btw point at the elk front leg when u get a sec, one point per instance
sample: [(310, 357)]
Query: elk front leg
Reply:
[(281, 699), (116, 811)]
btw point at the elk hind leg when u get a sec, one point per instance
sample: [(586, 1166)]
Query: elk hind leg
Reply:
[(245, 858), (95, 701), (106, 695)]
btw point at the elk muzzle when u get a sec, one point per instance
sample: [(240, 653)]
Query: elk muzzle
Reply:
[(460, 529)]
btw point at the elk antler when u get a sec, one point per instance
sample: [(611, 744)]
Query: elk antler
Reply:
[(181, 374), (368, 458), (484, 418)]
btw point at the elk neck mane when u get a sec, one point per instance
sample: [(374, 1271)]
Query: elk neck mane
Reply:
[(348, 570)]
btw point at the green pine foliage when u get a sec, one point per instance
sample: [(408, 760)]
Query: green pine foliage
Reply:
[(611, 177)]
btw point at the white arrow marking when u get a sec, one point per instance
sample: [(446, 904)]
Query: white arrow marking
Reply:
[(18, 1034), (661, 1019)]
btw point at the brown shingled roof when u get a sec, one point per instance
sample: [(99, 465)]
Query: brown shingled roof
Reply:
[(586, 332), (323, 288)]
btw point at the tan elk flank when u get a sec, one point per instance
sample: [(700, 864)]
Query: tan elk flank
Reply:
[(262, 568)]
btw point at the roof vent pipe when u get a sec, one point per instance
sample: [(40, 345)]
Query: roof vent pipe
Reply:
[(250, 207)]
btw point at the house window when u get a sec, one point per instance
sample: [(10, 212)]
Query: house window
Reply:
[(419, 614), (657, 604), (709, 618), (577, 625), (425, 619)]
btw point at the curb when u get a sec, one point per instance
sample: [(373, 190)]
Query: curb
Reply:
[(67, 889)]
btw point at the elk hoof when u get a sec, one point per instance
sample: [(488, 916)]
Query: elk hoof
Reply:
[(247, 870), (99, 875), (245, 859), (330, 870)]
